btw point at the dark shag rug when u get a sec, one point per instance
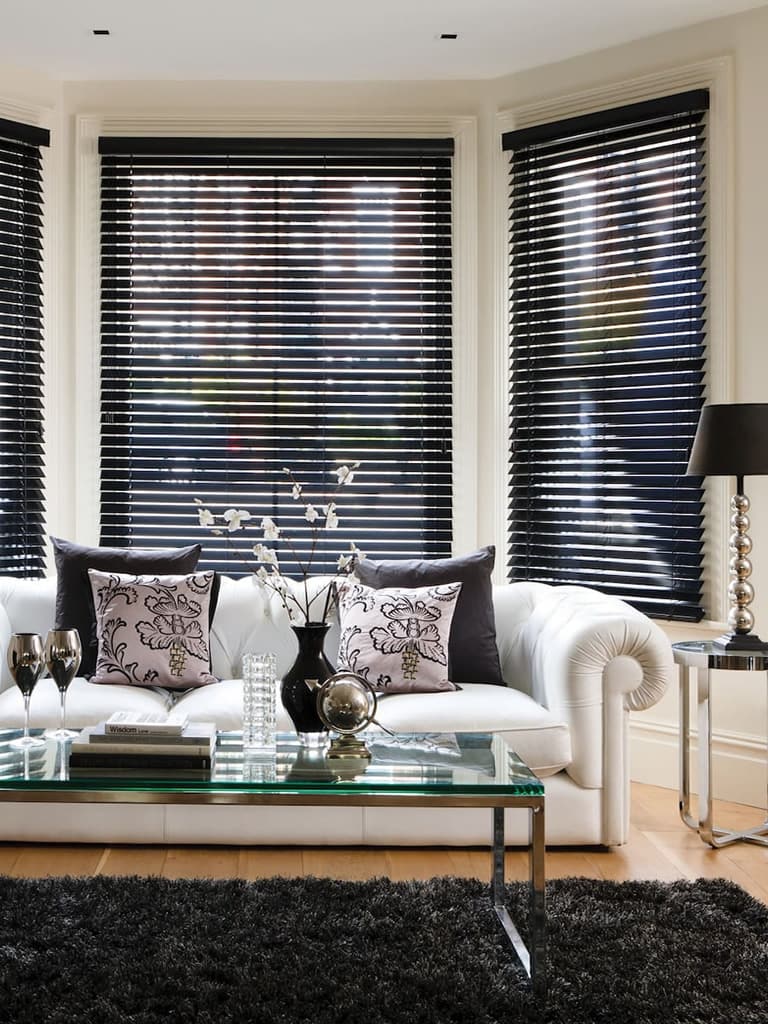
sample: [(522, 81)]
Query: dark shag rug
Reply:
[(315, 951)]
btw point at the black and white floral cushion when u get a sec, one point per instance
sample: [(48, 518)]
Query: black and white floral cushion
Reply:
[(397, 639), (153, 630)]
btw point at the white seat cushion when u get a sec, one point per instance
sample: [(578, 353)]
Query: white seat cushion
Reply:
[(222, 703), (87, 703), (541, 739)]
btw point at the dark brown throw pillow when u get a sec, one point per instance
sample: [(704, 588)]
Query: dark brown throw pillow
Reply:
[(472, 653), (74, 601)]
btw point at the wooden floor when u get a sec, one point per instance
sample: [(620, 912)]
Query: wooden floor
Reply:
[(660, 846)]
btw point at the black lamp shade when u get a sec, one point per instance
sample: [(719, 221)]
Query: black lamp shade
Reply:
[(731, 440)]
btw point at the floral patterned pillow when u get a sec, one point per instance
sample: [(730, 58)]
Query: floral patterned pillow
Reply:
[(397, 639), (153, 630)]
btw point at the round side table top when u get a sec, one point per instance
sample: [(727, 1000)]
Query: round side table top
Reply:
[(709, 654)]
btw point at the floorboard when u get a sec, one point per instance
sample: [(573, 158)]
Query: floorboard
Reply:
[(659, 846)]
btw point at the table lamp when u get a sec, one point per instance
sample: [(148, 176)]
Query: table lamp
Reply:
[(732, 440)]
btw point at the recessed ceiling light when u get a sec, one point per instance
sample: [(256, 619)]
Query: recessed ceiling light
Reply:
[(448, 35), (101, 31)]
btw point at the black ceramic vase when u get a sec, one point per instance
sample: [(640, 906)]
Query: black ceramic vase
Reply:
[(311, 663)]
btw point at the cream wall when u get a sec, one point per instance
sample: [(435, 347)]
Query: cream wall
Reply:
[(740, 714)]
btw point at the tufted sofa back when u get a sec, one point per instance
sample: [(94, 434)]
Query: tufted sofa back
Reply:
[(247, 619)]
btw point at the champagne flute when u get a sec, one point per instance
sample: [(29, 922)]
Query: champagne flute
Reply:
[(25, 661), (62, 659)]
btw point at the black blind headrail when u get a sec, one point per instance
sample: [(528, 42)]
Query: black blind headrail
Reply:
[(272, 303), (608, 322), (197, 147), (15, 131), (647, 113), (22, 485)]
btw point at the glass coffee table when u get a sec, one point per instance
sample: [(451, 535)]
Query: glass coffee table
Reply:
[(409, 770)]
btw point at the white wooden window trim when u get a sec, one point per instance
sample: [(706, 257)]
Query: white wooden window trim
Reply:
[(465, 406), (717, 76)]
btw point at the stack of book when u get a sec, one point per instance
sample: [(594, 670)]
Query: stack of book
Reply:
[(149, 746)]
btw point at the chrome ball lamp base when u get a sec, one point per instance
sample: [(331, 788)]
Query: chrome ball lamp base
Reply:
[(740, 590)]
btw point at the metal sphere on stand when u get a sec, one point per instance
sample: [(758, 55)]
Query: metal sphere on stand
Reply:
[(346, 703)]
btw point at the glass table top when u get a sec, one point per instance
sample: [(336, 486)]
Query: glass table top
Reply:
[(435, 763), (707, 653)]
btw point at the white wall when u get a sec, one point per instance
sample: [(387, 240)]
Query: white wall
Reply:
[(740, 700)]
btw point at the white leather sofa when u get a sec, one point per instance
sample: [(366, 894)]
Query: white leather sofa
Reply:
[(575, 661)]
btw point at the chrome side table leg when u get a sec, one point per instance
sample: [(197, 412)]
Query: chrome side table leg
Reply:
[(707, 657), (705, 755), (716, 837), (684, 802)]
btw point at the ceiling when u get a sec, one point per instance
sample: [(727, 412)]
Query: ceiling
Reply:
[(325, 40)]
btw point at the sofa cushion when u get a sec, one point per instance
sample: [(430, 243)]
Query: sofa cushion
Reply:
[(153, 630), (397, 639), (74, 604), (87, 703), (541, 738), (472, 653)]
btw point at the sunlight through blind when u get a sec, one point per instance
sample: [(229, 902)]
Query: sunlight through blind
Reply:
[(608, 348), (270, 303)]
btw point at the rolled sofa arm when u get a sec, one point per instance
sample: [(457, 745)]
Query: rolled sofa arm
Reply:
[(592, 658)]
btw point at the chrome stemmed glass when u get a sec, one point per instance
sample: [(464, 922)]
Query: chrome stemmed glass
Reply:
[(26, 664), (62, 659)]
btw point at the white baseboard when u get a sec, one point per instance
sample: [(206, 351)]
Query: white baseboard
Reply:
[(739, 770)]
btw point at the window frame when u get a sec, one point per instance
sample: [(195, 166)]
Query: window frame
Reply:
[(715, 75), (87, 313)]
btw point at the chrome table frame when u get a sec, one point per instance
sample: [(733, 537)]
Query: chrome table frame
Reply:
[(533, 960), (704, 657)]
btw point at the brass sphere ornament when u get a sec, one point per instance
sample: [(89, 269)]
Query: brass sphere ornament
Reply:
[(346, 703)]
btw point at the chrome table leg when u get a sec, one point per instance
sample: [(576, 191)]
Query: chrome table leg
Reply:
[(533, 960)]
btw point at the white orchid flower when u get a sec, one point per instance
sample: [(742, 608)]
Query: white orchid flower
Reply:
[(235, 517), (296, 492), (344, 562), (206, 517), (262, 575), (356, 552), (265, 554), (331, 519), (311, 514), (270, 528), (346, 474), (277, 581)]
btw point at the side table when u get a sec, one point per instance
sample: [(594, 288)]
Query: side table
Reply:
[(705, 657)]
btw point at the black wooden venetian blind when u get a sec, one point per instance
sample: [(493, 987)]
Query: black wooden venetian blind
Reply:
[(608, 328), (21, 350), (269, 304)]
